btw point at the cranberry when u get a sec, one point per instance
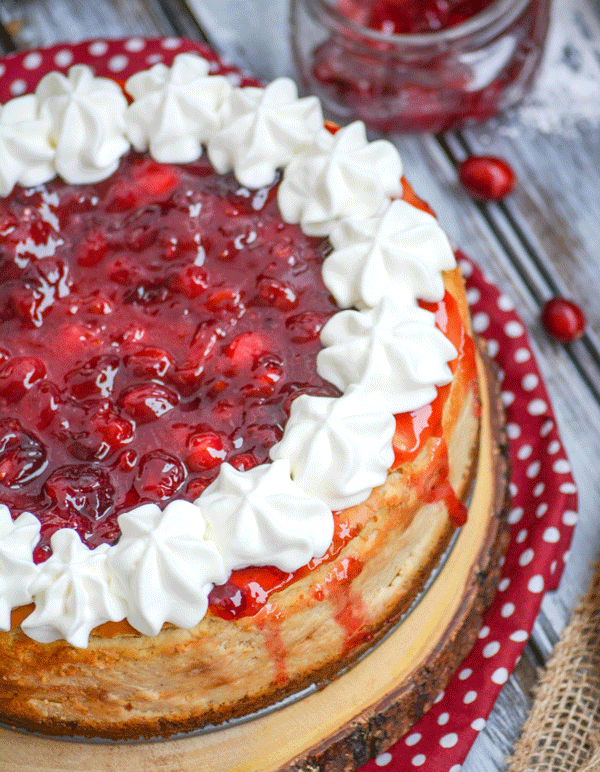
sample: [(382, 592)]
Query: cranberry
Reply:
[(154, 178), (245, 350), (124, 271), (149, 362), (159, 476), (243, 461), (277, 293), (40, 405), (147, 295), (206, 450), (124, 196), (92, 249), (225, 300), (305, 326), (114, 429), (142, 237), (95, 378), (228, 600), (563, 319), (82, 489), (265, 379), (18, 375), (192, 281), (22, 456), (486, 178), (100, 304), (148, 402)]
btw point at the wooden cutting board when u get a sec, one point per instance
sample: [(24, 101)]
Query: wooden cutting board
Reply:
[(365, 710)]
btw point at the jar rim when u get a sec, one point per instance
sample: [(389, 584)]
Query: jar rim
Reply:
[(501, 12)]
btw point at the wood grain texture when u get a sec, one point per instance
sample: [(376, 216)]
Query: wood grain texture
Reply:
[(545, 239)]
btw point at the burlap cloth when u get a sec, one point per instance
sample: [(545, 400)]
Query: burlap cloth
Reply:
[(562, 732)]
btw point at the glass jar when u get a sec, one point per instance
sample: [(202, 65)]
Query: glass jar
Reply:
[(429, 81)]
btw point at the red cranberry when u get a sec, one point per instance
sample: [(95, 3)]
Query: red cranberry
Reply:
[(243, 461), (18, 375), (563, 319), (228, 300), (22, 456), (486, 177), (41, 404), (159, 476), (245, 350), (277, 293), (81, 489), (154, 178), (92, 249), (149, 362), (228, 600), (206, 450), (305, 326), (114, 429), (265, 379), (95, 378), (148, 402), (191, 281)]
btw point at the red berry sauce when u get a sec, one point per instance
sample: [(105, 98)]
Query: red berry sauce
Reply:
[(402, 17), (394, 84), (153, 325)]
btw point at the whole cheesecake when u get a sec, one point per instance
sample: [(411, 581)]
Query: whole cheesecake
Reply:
[(239, 407)]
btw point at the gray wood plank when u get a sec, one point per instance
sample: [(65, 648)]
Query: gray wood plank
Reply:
[(33, 23)]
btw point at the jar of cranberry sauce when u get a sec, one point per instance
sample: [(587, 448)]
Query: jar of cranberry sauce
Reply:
[(418, 65)]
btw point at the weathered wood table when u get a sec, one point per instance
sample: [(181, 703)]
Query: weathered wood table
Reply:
[(542, 241)]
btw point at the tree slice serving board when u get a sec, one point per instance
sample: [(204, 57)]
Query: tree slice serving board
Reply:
[(365, 710)]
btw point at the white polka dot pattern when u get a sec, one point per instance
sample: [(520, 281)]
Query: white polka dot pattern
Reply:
[(544, 508)]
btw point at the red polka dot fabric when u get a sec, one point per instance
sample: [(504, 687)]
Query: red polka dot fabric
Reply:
[(544, 496)]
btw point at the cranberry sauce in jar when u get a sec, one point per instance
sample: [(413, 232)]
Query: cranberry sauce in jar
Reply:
[(418, 65), (152, 326)]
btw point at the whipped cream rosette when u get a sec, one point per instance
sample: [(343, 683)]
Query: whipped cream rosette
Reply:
[(386, 357), (261, 517), (73, 592), (25, 149), (17, 569), (87, 116), (381, 352), (400, 254), (175, 109), (338, 176), (164, 566), (263, 129)]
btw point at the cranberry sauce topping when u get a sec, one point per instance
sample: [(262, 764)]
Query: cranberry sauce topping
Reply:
[(153, 326)]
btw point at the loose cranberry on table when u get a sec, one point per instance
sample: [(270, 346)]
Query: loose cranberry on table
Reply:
[(486, 178), (153, 325), (563, 319)]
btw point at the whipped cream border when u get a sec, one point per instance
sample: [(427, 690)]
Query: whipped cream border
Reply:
[(339, 186)]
